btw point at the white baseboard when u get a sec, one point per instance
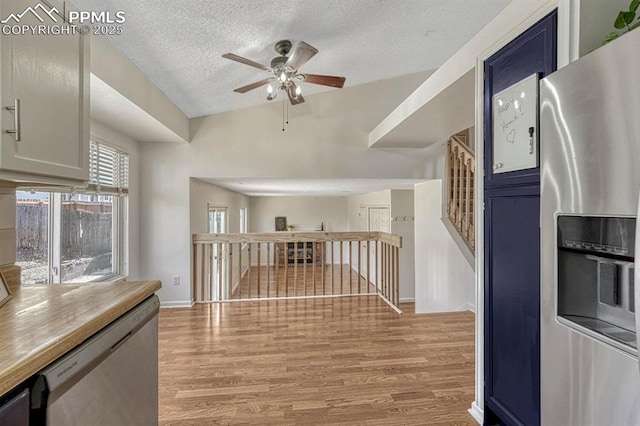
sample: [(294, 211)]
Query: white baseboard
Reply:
[(476, 412), (407, 300), (176, 304), (467, 307)]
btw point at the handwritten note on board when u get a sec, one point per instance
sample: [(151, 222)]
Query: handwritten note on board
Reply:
[(515, 127)]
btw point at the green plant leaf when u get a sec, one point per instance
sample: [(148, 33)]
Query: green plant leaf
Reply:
[(620, 22), (629, 17), (610, 37), (634, 5)]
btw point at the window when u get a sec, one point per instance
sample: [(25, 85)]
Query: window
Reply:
[(243, 221), (76, 236)]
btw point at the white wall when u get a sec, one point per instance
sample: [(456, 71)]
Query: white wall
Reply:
[(112, 67), (444, 280), (304, 213), (165, 237), (326, 137), (354, 203), (203, 194), (402, 212), (110, 135), (596, 21)]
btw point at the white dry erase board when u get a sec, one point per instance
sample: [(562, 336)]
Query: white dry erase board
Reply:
[(515, 127)]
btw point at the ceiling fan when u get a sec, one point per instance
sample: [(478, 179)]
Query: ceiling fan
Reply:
[(285, 72)]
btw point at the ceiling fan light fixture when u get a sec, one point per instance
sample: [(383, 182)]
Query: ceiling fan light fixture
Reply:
[(284, 74)]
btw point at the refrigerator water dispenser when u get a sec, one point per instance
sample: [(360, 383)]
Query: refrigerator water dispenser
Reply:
[(595, 278)]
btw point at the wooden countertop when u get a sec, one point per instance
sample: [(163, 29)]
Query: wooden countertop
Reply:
[(43, 322)]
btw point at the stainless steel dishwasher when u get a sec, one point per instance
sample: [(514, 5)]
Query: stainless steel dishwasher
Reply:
[(110, 379)]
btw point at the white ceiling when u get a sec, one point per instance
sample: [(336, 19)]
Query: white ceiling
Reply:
[(178, 44), (263, 187)]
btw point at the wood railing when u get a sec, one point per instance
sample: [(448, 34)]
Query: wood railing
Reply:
[(461, 171), (230, 267)]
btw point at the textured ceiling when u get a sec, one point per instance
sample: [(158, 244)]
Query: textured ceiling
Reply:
[(178, 44), (310, 187)]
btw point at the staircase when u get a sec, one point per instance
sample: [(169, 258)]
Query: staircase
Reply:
[(460, 177)]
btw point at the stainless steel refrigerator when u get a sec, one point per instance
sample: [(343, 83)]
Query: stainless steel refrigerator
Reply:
[(590, 295)]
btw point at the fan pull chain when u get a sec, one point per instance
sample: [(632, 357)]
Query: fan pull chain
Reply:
[(283, 114)]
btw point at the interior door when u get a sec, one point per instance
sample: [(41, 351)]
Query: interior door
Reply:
[(217, 219)]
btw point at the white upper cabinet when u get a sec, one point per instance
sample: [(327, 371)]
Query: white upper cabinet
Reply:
[(45, 98)]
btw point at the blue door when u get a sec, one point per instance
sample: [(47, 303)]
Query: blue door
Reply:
[(512, 247)]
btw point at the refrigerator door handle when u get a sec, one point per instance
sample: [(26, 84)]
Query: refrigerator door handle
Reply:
[(636, 282)]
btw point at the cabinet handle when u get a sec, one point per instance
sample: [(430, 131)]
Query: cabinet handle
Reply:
[(17, 132)]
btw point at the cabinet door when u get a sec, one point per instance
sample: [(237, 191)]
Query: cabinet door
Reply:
[(50, 77)]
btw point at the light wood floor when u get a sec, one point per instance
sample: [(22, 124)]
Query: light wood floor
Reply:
[(349, 360), (301, 280)]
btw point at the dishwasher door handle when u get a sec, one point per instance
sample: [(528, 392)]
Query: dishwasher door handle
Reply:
[(121, 341)]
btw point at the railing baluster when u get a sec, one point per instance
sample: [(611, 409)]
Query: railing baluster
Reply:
[(387, 269), (359, 266), (314, 265), (249, 260), (341, 272), (295, 269), (377, 266), (268, 269), (239, 273), (468, 200), (304, 266), (220, 271), (397, 281), (324, 266), (350, 268), (455, 184), (332, 268), (368, 266), (259, 267), (194, 272), (211, 271), (227, 289)]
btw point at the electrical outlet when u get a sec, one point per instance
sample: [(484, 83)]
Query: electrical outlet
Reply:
[(176, 280)]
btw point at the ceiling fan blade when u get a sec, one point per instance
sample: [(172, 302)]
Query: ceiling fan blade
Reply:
[(245, 61), (295, 100), (301, 54), (324, 80), (245, 89)]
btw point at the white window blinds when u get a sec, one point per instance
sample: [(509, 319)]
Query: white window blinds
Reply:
[(108, 169)]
